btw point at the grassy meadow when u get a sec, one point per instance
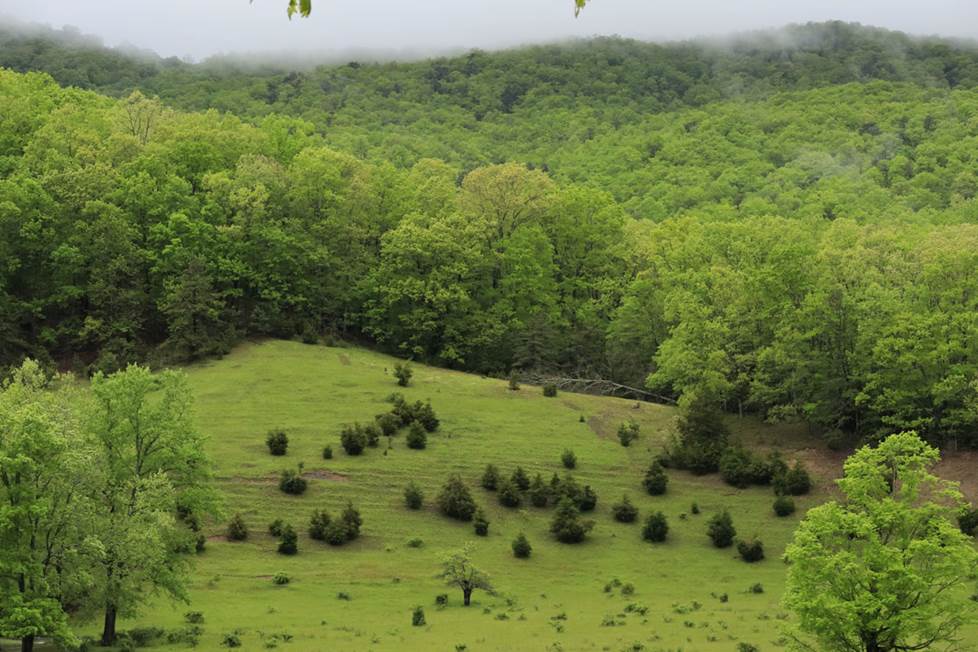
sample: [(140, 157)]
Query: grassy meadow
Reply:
[(555, 600)]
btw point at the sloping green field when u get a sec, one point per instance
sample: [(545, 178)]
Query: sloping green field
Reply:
[(556, 600)]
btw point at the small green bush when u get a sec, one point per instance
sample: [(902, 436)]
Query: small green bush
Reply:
[(568, 459), (231, 640), (793, 482), (514, 383), (656, 527), (656, 481), (627, 433), (751, 551), (372, 432), (237, 528), (490, 478), (417, 438), (417, 617), (521, 546), (784, 506), (288, 541), (416, 542), (539, 492), (455, 501), (328, 453), (281, 579), (388, 424), (481, 523), (318, 523), (403, 373), (694, 508), (277, 442), (413, 496), (353, 439), (194, 618), (550, 390), (624, 511), (747, 647), (343, 595), (756, 588), (509, 494), (587, 500), (425, 415), (275, 527), (567, 525), (520, 479), (721, 530), (336, 533), (352, 520), (291, 482)]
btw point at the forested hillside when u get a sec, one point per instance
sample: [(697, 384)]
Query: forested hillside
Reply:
[(783, 225)]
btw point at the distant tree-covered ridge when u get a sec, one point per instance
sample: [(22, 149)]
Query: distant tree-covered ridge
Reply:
[(807, 254)]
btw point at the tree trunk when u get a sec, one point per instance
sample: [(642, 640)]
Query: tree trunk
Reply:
[(27, 644), (108, 630), (466, 596)]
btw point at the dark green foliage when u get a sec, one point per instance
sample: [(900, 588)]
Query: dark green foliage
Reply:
[(353, 439), (231, 640), (318, 524), (624, 511), (751, 551), (793, 482), (520, 479), (288, 541), (328, 453), (627, 433), (388, 423), (281, 579), (702, 437), (550, 390), (656, 527), (539, 492), (194, 617), (514, 383), (277, 442), (567, 525), (521, 546), (417, 438), (747, 647), (490, 478), (587, 500), (403, 373), (424, 413), (784, 506), (721, 530), (968, 521), (372, 432), (237, 528), (509, 494), (568, 459), (276, 527), (480, 523), (694, 508), (656, 480), (441, 599), (350, 517), (413, 496), (336, 533), (455, 501), (417, 617), (291, 482)]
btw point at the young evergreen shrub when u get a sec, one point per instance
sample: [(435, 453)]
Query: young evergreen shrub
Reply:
[(702, 437), (587, 500), (388, 424), (656, 480), (417, 438), (336, 533), (521, 546), (784, 506), (550, 390), (751, 551), (200, 542), (403, 373), (520, 479), (231, 640), (352, 520), (417, 617), (694, 508), (539, 492), (514, 383), (455, 501), (413, 496), (490, 478), (318, 523), (794, 482), (567, 525), (291, 482), (624, 511), (736, 467), (565, 487), (968, 521), (568, 459), (281, 579), (400, 409), (441, 599), (656, 527), (277, 442), (509, 494), (480, 523), (747, 647), (328, 453), (425, 414), (276, 527), (627, 433), (353, 439), (237, 528), (372, 433), (288, 541), (721, 530)]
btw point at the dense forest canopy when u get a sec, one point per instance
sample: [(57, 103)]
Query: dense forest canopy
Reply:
[(783, 224)]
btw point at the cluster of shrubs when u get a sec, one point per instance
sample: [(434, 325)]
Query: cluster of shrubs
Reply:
[(418, 417), (277, 442), (335, 531), (290, 481), (288, 540), (518, 489), (627, 433)]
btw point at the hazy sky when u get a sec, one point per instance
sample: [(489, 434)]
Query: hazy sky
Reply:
[(203, 27)]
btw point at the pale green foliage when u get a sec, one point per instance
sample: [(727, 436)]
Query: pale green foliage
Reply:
[(885, 568), (459, 571)]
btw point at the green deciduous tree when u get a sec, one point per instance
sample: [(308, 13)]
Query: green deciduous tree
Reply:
[(459, 571)]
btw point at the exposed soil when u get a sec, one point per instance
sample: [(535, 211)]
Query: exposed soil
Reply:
[(325, 474), (344, 359)]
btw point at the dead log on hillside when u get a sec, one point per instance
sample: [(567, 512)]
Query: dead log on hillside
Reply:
[(599, 386)]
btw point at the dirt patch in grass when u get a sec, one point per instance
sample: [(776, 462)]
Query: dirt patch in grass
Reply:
[(601, 425), (249, 480), (344, 359), (325, 474)]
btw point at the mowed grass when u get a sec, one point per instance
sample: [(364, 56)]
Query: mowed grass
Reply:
[(555, 600)]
